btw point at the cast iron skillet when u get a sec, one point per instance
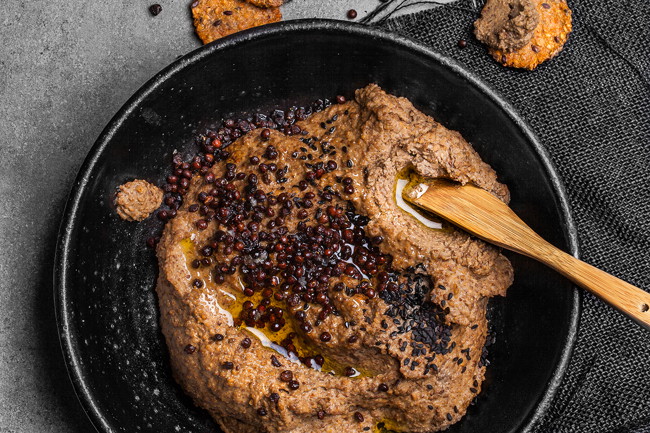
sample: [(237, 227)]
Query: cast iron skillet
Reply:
[(104, 274)]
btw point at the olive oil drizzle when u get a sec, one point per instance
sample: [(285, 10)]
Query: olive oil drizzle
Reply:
[(232, 305), (407, 177)]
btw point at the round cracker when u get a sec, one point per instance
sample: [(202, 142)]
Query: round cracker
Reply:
[(214, 19), (548, 39)]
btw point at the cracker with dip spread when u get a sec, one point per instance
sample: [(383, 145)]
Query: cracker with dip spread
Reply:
[(524, 33), (214, 19)]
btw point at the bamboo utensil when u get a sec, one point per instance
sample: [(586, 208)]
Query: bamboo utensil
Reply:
[(480, 213)]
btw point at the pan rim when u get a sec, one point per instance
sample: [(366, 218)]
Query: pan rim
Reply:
[(61, 261)]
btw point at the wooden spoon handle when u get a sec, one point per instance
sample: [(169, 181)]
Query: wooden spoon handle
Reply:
[(480, 213), (625, 297)]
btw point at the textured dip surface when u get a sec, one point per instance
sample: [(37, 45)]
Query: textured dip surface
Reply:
[(296, 296)]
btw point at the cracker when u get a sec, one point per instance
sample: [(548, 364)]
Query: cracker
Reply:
[(214, 19), (266, 3), (548, 39)]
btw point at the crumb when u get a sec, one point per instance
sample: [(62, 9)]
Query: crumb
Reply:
[(155, 9), (137, 199)]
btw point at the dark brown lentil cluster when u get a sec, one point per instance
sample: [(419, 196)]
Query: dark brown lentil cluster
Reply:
[(212, 150), (298, 267), (411, 312)]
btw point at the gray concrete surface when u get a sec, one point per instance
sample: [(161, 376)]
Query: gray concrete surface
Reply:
[(65, 68)]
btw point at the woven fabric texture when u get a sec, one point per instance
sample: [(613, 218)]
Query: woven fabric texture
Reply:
[(590, 107)]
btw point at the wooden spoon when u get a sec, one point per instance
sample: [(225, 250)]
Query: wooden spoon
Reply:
[(480, 213)]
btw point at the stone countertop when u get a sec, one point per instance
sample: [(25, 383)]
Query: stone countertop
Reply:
[(65, 69)]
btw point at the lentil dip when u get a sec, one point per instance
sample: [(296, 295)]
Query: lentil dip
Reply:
[(296, 296)]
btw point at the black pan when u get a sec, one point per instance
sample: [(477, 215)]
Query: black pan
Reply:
[(104, 274)]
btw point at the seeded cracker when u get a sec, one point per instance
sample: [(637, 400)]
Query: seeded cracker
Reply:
[(266, 3), (548, 39), (214, 19)]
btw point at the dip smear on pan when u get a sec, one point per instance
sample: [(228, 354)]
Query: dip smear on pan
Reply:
[(297, 296)]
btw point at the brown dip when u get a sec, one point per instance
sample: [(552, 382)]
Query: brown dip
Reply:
[(382, 319), (507, 25), (135, 200)]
